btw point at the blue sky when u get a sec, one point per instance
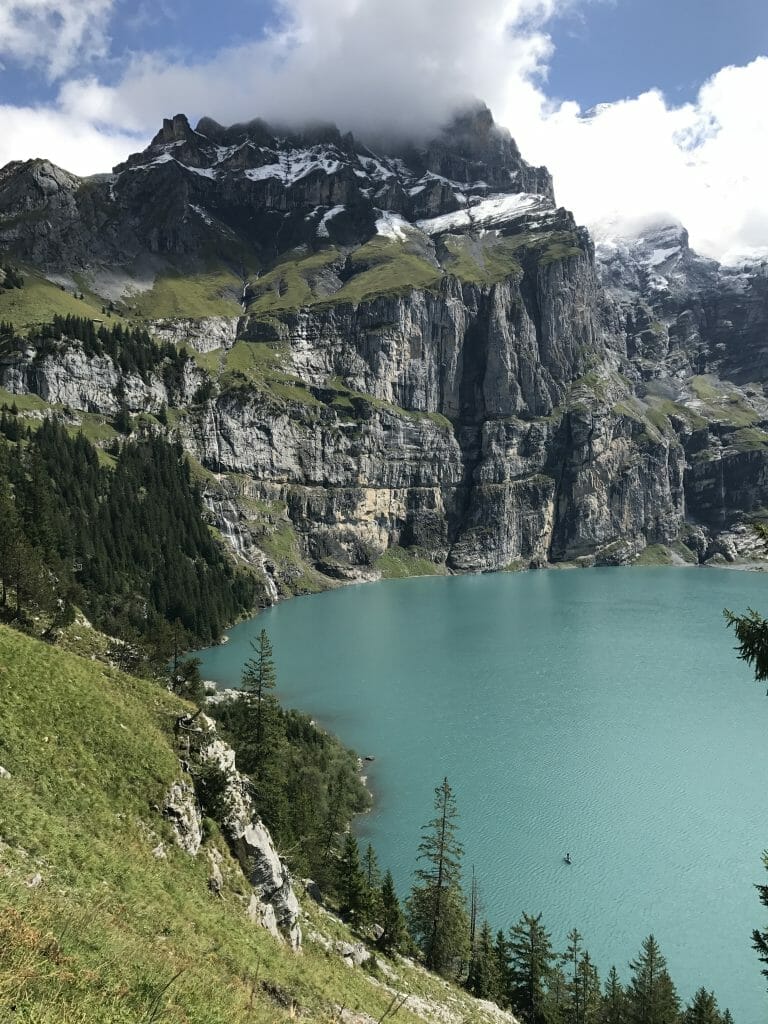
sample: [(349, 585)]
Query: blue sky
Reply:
[(609, 51), (640, 108)]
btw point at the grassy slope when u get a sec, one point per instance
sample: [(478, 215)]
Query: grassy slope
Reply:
[(381, 266), (384, 266), (39, 300), (397, 563), (113, 934), (216, 293)]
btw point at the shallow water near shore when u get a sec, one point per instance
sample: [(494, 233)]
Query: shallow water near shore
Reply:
[(598, 712)]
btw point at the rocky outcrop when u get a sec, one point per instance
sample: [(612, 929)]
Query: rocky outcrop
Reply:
[(273, 902), (182, 810), (210, 764), (204, 334)]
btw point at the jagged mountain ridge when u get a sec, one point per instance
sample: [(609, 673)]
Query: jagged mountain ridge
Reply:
[(251, 194), (420, 362), (717, 314)]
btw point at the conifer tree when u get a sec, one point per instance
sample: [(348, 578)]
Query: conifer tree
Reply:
[(702, 1009), (259, 679), (351, 880), (557, 997), (187, 682), (10, 538), (483, 981), (751, 628), (590, 989), (334, 819), (371, 868), (372, 882), (437, 911), (501, 962), (571, 961), (531, 958), (392, 918), (651, 995), (760, 938), (614, 1008)]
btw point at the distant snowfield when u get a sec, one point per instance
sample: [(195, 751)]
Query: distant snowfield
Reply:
[(487, 213)]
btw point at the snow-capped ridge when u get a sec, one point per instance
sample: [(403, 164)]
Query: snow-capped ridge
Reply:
[(491, 212)]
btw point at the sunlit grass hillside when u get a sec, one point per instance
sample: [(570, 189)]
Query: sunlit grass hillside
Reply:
[(93, 926)]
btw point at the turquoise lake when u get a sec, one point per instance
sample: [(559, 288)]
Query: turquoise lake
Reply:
[(601, 712)]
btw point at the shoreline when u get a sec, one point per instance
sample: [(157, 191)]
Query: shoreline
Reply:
[(749, 565)]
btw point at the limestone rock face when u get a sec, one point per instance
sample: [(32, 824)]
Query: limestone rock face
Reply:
[(205, 334), (273, 903), (181, 808), (88, 384), (541, 400)]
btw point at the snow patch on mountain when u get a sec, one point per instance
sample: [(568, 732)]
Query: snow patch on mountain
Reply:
[(392, 225), (322, 227), (494, 211), (292, 167)]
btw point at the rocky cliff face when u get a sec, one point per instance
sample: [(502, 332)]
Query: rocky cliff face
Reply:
[(428, 356), (273, 903)]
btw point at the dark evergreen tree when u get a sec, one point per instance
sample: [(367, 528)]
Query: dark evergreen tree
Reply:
[(558, 996), (751, 628), (187, 682), (760, 938), (122, 421), (10, 278), (589, 983), (702, 1009), (371, 868), (129, 546), (351, 881), (651, 996), (392, 920), (132, 349), (335, 819), (258, 681), (502, 968), (531, 959), (483, 980), (614, 1009), (436, 909), (372, 879), (309, 787), (575, 992), (11, 536)]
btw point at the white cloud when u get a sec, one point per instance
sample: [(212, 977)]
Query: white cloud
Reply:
[(403, 65), (393, 64), (55, 34), (72, 142), (703, 161)]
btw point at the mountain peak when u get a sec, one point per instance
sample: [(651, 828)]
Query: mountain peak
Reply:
[(175, 129)]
